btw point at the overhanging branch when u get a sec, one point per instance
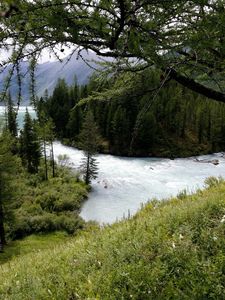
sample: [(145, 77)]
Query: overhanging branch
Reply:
[(197, 87)]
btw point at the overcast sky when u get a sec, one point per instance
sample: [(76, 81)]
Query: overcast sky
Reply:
[(45, 57)]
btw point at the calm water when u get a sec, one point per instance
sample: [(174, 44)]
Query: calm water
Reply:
[(20, 115)]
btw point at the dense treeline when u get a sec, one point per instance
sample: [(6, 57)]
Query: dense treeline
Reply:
[(135, 117)]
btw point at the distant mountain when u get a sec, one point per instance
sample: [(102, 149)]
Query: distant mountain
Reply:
[(48, 73)]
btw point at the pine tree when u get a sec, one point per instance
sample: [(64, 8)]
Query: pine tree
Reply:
[(46, 135), (11, 117), (145, 134), (121, 130), (29, 145), (59, 106), (74, 124), (89, 141)]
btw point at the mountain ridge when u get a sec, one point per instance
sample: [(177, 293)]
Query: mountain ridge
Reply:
[(48, 73)]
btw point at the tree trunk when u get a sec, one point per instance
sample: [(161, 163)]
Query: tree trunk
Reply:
[(53, 160), (46, 166), (87, 175)]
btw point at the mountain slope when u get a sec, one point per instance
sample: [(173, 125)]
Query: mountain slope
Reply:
[(169, 250), (48, 73)]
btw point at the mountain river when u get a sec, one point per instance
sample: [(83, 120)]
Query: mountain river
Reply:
[(123, 183)]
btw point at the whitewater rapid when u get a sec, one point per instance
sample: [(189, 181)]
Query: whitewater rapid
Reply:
[(123, 184)]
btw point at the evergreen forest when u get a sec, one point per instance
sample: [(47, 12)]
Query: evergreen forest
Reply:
[(133, 120)]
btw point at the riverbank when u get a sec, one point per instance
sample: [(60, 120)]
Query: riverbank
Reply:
[(174, 148), (169, 250)]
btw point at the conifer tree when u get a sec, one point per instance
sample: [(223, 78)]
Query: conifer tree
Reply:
[(89, 141), (145, 134), (59, 107), (121, 130), (11, 117), (29, 145), (46, 135)]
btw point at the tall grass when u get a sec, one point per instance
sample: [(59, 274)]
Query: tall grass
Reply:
[(169, 250)]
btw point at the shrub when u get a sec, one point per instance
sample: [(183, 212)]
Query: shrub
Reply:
[(41, 206), (47, 200), (68, 204), (45, 223)]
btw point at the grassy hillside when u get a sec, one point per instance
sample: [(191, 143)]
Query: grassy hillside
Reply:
[(170, 250)]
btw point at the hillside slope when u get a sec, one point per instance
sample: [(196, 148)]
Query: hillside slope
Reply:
[(170, 250), (48, 73)]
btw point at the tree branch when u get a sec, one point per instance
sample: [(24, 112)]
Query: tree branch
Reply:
[(197, 87)]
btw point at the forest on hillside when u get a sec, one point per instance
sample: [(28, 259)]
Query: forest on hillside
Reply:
[(134, 120)]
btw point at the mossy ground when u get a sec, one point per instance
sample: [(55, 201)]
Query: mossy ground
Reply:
[(169, 250)]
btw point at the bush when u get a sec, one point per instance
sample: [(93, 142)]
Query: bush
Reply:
[(47, 200), (45, 223), (46, 206), (71, 222), (66, 205)]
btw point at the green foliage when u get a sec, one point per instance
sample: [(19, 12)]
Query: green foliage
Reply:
[(182, 194), (183, 38), (89, 140), (134, 119), (169, 250), (33, 244), (11, 117), (8, 166), (46, 222), (45, 128), (28, 203), (29, 145), (64, 160), (89, 137), (44, 206), (135, 123), (59, 106)]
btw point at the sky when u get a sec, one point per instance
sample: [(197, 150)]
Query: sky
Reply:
[(45, 56)]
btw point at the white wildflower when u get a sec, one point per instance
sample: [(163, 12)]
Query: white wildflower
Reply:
[(223, 219), (181, 236)]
